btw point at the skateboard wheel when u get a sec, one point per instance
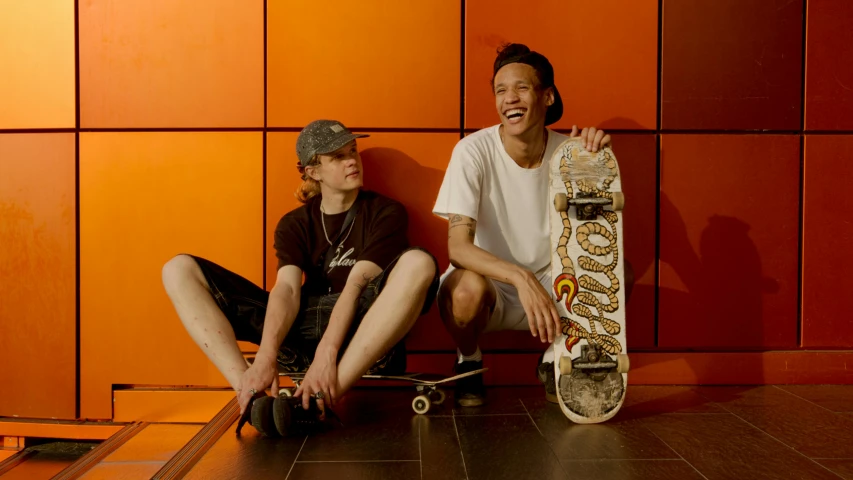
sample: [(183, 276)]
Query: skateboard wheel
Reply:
[(623, 364), (561, 203), (285, 392), (262, 416), (421, 404), (565, 365), (618, 201), (439, 397)]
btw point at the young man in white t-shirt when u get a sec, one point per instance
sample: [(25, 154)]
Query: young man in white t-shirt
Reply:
[(495, 196)]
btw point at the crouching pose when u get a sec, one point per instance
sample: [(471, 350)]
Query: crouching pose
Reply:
[(364, 288)]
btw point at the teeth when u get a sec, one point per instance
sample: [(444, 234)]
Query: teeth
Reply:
[(515, 111)]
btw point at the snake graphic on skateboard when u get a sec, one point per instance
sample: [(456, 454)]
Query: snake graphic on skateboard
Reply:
[(587, 270)]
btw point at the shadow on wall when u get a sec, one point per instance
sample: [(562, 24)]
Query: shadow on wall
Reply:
[(395, 174), (721, 304)]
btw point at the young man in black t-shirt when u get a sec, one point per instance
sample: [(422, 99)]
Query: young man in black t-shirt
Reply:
[(364, 285)]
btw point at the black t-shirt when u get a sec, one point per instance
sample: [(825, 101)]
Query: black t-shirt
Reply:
[(377, 234)]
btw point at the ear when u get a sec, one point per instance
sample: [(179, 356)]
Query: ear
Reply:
[(312, 173), (549, 96)]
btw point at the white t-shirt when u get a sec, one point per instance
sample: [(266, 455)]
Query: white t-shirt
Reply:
[(509, 203)]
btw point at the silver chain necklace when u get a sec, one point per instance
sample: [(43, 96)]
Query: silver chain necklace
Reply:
[(323, 221)]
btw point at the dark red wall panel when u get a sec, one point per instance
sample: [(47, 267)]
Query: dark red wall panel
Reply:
[(728, 241), (829, 65), (827, 241), (732, 64)]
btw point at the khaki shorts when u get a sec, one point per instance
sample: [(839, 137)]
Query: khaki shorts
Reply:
[(508, 313)]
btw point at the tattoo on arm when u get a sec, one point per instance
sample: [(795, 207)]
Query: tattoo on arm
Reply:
[(365, 280), (471, 227), (460, 221)]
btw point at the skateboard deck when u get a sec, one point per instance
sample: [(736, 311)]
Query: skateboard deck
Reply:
[(426, 384), (587, 270)]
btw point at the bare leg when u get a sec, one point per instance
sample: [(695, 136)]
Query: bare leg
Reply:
[(187, 288), (466, 300), (393, 314)]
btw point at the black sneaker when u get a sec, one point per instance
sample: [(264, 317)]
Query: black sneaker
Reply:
[(259, 413), (545, 374), (291, 419), (469, 390)]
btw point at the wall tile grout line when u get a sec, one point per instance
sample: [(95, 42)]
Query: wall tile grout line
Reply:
[(77, 113), (264, 164)]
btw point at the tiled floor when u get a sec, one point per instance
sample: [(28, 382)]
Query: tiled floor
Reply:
[(768, 432)]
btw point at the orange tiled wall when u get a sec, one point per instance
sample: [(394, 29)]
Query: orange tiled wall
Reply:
[(132, 130)]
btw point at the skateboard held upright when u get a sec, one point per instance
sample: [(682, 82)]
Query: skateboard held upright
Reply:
[(587, 270)]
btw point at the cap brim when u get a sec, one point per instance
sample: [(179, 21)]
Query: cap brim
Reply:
[(555, 111), (339, 142)]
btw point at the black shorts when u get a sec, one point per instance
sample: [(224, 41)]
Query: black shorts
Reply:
[(245, 305)]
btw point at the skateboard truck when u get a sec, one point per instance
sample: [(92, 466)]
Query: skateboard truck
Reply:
[(594, 363), (587, 205)]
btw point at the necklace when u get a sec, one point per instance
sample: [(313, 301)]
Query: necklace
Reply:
[(323, 221), (541, 154)]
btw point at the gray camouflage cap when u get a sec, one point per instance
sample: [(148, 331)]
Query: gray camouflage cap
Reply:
[(322, 136)]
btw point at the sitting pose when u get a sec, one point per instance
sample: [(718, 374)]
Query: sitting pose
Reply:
[(364, 286)]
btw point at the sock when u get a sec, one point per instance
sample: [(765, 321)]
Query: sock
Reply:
[(477, 356), (549, 354)]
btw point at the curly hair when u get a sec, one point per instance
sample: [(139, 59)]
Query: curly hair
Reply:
[(309, 187), (516, 52)]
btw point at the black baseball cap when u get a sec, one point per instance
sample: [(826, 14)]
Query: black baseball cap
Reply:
[(519, 53), (323, 136)]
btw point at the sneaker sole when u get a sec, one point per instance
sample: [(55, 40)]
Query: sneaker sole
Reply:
[(470, 402), (262, 418)]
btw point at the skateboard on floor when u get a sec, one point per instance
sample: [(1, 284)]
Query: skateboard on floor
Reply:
[(426, 384), (587, 269)]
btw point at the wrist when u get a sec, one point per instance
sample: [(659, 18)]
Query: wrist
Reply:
[(265, 355), (327, 348), (519, 276)]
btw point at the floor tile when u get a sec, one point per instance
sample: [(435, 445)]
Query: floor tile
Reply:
[(505, 447), (355, 470), (642, 400), (614, 439), (800, 424), (441, 457), (366, 439), (838, 398), (723, 446), (630, 470), (841, 467), (250, 456), (501, 401)]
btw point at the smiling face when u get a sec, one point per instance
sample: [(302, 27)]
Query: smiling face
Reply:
[(520, 100), (340, 170)]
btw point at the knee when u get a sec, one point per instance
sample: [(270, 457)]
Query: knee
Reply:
[(417, 266), (178, 271), (465, 299)]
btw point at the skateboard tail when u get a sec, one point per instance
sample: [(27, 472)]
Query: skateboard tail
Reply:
[(597, 409)]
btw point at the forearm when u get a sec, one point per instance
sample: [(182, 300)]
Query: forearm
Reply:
[(471, 257), (282, 307), (340, 320), (344, 310)]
